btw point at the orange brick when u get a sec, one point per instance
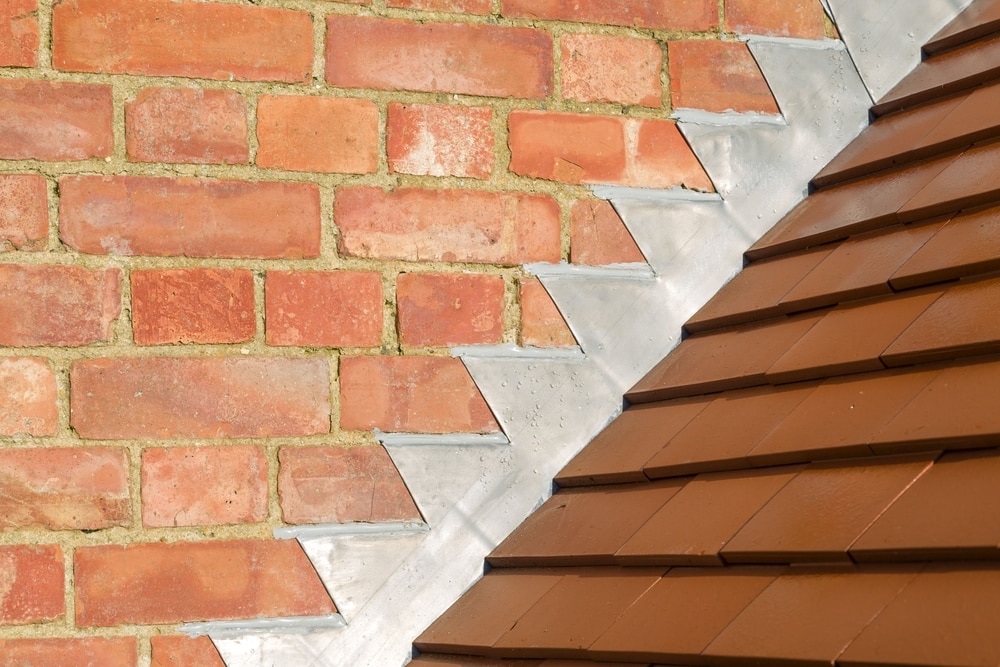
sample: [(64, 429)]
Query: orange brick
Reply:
[(447, 225), (76, 488), (191, 125), (60, 652), (439, 140), (411, 395), (24, 212), (187, 581), (542, 325), (137, 215), (57, 304), (450, 308), (183, 651), (662, 14), (32, 580), (322, 134), (663, 158), (783, 18), (205, 397), (604, 68), (599, 237), (192, 306), (567, 147), (481, 7), (54, 121), (18, 33), (717, 76), (206, 40), (324, 308), (27, 397), (387, 54), (333, 484), (197, 486)]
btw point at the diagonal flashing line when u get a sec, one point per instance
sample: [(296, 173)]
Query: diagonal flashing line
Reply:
[(448, 439), (316, 531), (296, 625)]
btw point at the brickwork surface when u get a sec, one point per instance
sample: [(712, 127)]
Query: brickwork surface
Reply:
[(237, 236)]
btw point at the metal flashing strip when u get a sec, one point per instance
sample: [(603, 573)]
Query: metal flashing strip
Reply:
[(315, 531), (292, 625), (641, 272), (824, 43), (609, 192), (726, 118), (517, 352), (446, 439)]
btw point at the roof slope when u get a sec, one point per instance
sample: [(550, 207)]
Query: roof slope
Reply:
[(812, 476)]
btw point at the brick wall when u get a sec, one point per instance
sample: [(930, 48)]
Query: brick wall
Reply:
[(235, 237)]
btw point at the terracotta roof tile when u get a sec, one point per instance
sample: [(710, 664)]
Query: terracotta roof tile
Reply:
[(858, 268), (967, 182), (583, 526), (946, 616), (850, 338), (966, 245), (661, 627), (729, 359), (838, 212), (754, 294), (944, 74), (956, 409), (840, 417), (951, 511), (695, 524), (818, 515), (978, 20), (808, 616), (575, 612), (467, 661), (647, 428)]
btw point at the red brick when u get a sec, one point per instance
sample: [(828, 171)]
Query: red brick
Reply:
[(337, 485), (190, 125), (450, 308), (411, 395), (85, 652), (605, 68), (663, 158), (717, 76), (207, 397), (391, 54), (192, 306), (783, 18), (24, 212), (137, 215), (599, 237), (447, 225), (197, 486), (567, 147), (55, 304), (194, 39), (31, 584), (439, 140), (481, 7), (27, 397), (324, 308), (183, 651), (52, 121), (663, 14), (78, 488), (324, 134), (542, 325), (188, 581), (19, 33)]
